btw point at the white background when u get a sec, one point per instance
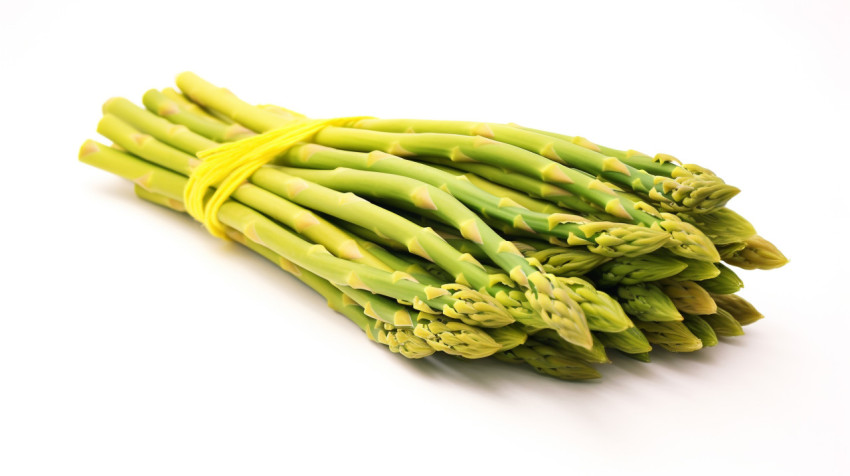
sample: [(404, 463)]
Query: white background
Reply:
[(133, 343)]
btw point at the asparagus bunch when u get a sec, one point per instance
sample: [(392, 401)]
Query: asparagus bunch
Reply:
[(470, 239)]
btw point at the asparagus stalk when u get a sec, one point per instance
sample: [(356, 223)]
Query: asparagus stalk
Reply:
[(689, 241), (675, 195), (606, 238), (403, 341), (223, 101), (158, 199), (670, 335), (723, 225), (161, 105), (379, 290), (594, 355), (394, 261), (508, 337), (688, 297), (504, 192), (549, 361), (663, 165), (399, 248), (724, 323), (697, 271), (727, 282), (427, 200), (757, 253), (177, 136), (737, 307), (647, 302), (430, 333), (640, 356), (456, 338), (503, 253), (640, 269), (629, 341), (190, 107), (686, 239), (603, 312), (306, 222), (522, 183), (420, 268), (379, 307), (560, 312), (564, 261), (453, 300), (701, 328)]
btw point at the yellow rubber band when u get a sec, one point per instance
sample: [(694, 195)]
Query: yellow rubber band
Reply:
[(229, 165)]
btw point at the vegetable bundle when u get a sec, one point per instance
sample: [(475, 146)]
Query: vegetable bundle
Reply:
[(472, 239)]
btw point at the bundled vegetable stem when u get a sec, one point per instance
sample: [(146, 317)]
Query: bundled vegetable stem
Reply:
[(471, 239)]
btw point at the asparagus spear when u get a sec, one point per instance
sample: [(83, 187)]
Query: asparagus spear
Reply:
[(500, 252), (394, 261), (385, 315), (425, 199), (511, 193), (686, 240), (524, 184), (640, 356), (161, 105), (697, 271), (688, 297), (723, 225), (562, 314), (727, 282), (456, 338), (603, 312), (724, 323), (223, 101), (190, 107), (606, 238), (556, 309), (629, 341), (591, 300), (306, 222), (737, 307), (549, 361), (553, 312), (757, 253), (640, 269), (663, 165), (430, 333), (647, 302), (563, 261), (508, 337), (701, 328), (594, 355), (670, 335), (437, 334), (689, 242), (177, 136), (453, 300), (294, 216), (675, 195)]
